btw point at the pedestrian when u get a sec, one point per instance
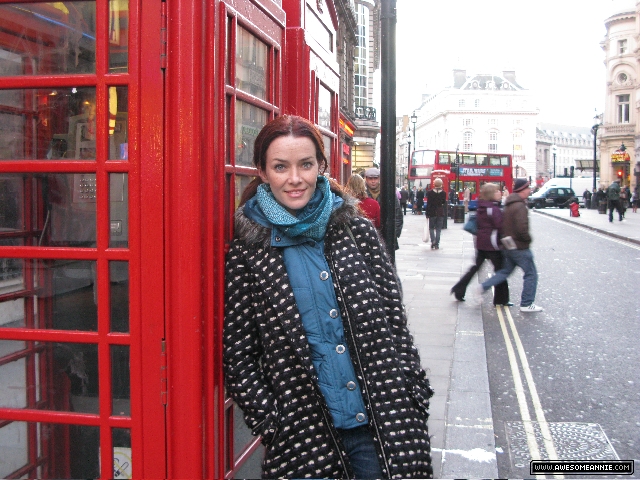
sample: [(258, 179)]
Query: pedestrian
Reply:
[(505, 194), (404, 197), (516, 240), (636, 198), (372, 180), (368, 206), (317, 353), (586, 196), (412, 199), (627, 196), (489, 220), (466, 197), (419, 201), (436, 210), (613, 197)]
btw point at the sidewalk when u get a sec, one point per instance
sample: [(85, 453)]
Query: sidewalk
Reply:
[(450, 337)]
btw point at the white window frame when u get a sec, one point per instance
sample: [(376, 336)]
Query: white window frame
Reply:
[(623, 108)]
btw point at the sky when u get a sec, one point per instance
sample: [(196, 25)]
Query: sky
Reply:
[(552, 45)]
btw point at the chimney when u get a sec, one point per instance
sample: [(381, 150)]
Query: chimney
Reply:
[(459, 77)]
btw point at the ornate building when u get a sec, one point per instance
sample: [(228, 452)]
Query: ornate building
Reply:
[(573, 147), (483, 113)]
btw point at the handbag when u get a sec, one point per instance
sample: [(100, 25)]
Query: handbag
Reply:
[(471, 225), (425, 233)]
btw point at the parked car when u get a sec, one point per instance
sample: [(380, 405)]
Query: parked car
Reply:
[(551, 197)]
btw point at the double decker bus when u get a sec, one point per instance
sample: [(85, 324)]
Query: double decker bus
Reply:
[(463, 170)]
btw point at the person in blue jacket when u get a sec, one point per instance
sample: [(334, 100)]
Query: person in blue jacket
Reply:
[(317, 352)]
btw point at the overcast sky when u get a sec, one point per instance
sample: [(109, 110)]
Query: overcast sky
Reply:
[(553, 46)]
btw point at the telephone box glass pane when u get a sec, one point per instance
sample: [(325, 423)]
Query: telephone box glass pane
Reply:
[(47, 38), (121, 453), (118, 123), (51, 294), (324, 107), (251, 64), (249, 121), (120, 380), (70, 370), (118, 36), (50, 123), (119, 281), (118, 210)]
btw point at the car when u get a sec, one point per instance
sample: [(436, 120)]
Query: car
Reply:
[(551, 197)]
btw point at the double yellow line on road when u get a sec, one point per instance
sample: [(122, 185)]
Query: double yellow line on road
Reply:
[(520, 390)]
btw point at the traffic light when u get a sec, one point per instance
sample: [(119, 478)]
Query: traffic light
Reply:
[(619, 173)]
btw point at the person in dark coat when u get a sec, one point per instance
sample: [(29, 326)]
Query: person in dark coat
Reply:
[(372, 180), (489, 219), (436, 210), (404, 197), (586, 195), (317, 352), (419, 201)]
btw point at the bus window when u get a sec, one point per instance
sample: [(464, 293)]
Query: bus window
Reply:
[(446, 158), (469, 159), (504, 160), (482, 159), (494, 160), (471, 186)]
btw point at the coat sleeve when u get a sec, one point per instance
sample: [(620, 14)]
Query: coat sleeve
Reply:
[(244, 378), (521, 223), (390, 293)]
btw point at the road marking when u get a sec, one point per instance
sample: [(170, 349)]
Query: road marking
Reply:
[(593, 232)]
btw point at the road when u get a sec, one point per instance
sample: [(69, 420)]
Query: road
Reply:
[(565, 383)]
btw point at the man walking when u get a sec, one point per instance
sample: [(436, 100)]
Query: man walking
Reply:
[(516, 240), (613, 197), (404, 196), (372, 179)]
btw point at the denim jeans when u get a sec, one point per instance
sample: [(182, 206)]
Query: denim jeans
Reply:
[(361, 450), (524, 260), (435, 223)]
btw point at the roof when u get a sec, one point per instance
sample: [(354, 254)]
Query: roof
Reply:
[(490, 82)]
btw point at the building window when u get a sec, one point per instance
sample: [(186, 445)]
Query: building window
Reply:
[(361, 57), (623, 108), (476, 103), (493, 121), (461, 103), (468, 142), (622, 47), (493, 142), (467, 122)]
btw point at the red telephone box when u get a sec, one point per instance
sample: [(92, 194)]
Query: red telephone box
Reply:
[(126, 136)]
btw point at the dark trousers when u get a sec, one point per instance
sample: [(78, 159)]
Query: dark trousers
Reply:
[(501, 291), (404, 207), (361, 450), (617, 205)]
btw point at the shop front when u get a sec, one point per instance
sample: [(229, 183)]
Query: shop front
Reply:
[(126, 135)]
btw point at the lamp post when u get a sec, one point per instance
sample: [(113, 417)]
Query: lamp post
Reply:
[(457, 173), (594, 131), (554, 150), (414, 119)]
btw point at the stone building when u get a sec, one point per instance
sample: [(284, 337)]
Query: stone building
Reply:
[(573, 147)]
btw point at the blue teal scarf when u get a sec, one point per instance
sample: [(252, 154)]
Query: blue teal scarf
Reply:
[(311, 220)]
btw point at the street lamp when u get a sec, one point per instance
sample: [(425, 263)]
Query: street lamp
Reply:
[(457, 174), (414, 119), (554, 150), (594, 131)]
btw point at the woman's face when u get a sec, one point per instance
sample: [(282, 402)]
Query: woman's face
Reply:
[(497, 196), (291, 170)]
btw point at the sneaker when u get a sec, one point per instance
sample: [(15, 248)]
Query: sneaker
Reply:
[(531, 308)]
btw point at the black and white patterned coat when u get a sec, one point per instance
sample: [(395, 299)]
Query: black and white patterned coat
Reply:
[(267, 361)]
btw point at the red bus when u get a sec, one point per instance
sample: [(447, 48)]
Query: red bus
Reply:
[(475, 169)]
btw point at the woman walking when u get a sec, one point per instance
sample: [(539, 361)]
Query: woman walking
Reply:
[(436, 210), (317, 352), (489, 219), (368, 206)]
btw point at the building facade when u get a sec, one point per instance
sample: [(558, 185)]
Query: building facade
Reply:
[(482, 113), (366, 60), (572, 146), (620, 124)]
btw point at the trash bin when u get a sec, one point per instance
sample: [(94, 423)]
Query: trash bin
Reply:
[(458, 214), (602, 207)]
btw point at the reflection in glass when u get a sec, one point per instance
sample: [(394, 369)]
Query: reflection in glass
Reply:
[(51, 123), (241, 184), (69, 370), (57, 294), (327, 152), (121, 452), (118, 36), (120, 380), (118, 123), (251, 64), (48, 38), (249, 121), (324, 107), (118, 210), (119, 281)]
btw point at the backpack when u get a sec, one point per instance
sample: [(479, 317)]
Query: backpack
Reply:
[(613, 192)]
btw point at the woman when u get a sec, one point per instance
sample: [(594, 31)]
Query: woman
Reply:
[(317, 352), (368, 206), (489, 219), (436, 210)]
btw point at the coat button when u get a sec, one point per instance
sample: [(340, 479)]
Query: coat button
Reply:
[(360, 417), (278, 239), (351, 385), (333, 313), (341, 349), (324, 275)]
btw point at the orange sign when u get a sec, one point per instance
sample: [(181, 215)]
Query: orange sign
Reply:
[(620, 156)]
